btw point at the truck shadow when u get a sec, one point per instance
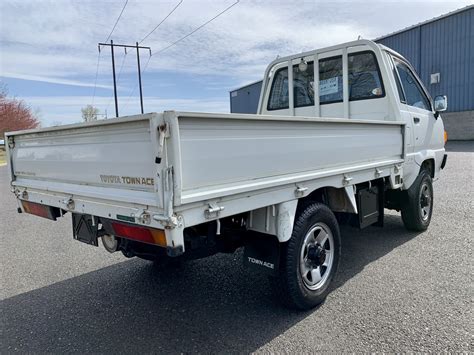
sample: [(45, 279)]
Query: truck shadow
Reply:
[(212, 305)]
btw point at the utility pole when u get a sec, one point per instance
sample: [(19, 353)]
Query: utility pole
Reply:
[(125, 46), (140, 76), (115, 81)]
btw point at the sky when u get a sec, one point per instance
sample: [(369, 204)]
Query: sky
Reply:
[(49, 54)]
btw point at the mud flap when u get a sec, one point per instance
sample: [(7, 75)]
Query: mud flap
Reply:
[(445, 159), (84, 229), (370, 204), (262, 253)]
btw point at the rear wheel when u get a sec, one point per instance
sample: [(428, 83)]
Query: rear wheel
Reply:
[(418, 207), (309, 259)]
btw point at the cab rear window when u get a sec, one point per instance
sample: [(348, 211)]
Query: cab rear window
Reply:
[(279, 93), (364, 77), (330, 80), (365, 82), (303, 88)]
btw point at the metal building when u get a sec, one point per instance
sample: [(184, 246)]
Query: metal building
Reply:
[(442, 52), (245, 99)]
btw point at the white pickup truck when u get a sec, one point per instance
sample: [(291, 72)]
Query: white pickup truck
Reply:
[(184, 185)]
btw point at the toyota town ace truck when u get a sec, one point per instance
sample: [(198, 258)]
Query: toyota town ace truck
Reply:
[(341, 134)]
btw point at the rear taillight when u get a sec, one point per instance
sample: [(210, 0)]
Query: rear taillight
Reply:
[(40, 210), (139, 233)]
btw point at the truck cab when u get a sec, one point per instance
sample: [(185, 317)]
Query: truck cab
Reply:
[(360, 80)]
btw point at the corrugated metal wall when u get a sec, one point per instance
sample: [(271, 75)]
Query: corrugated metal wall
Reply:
[(407, 44), (444, 46), (245, 99)]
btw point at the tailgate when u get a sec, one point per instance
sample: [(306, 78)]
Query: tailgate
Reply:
[(109, 159)]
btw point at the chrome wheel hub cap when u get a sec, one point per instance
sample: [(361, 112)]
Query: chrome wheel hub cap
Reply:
[(317, 256), (425, 202)]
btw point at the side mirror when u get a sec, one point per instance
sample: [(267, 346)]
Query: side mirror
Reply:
[(440, 104)]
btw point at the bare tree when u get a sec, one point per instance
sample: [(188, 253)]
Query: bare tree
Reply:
[(15, 114), (89, 113)]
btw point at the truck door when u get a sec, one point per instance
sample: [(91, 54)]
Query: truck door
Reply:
[(416, 103)]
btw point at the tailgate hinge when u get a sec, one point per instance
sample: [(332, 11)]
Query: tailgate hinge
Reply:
[(169, 222)]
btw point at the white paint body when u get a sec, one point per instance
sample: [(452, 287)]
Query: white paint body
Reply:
[(218, 165)]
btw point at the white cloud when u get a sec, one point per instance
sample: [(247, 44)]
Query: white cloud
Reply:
[(59, 38), (56, 41), (67, 109), (53, 80)]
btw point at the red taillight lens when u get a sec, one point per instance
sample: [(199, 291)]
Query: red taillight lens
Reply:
[(141, 234), (40, 210)]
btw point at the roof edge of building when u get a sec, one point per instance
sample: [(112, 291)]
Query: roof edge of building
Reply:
[(249, 84), (451, 13)]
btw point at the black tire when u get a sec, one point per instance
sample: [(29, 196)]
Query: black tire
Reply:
[(290, 285), (418, 205)]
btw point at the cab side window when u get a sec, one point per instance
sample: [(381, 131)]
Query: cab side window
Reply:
[(413, 94), (364, 77), (278, 99)]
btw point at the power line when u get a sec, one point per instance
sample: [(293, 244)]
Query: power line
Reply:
[(98, 56), (118, 76), (177, 41), (148, 61), (197, 29), (137, 47), (127, 103), (116, 22), (153, 30), (96, 74)]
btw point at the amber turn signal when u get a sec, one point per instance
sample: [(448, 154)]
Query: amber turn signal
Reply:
[(139, 233)]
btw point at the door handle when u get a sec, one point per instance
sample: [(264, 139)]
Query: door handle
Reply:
[(416, 120)]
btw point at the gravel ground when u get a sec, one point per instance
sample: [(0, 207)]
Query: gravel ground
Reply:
[(395, 292)]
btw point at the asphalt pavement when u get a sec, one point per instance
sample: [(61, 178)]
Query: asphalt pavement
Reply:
[(396, 291)]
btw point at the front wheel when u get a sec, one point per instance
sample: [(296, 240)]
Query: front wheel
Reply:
[(418, 207), (309, 259)]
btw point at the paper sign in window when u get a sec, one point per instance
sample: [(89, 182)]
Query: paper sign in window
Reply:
[(328, 86)]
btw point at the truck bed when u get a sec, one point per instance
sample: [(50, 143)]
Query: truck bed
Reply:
[(246, 160)]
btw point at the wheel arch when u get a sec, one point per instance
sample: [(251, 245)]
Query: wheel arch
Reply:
[(428, 165), (338, 199), (279, 219), (429, 158)]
